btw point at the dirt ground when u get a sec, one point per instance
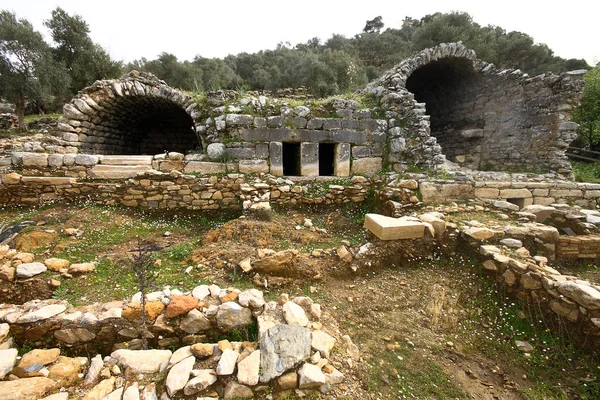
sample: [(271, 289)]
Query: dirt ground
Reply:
[(428, 322)]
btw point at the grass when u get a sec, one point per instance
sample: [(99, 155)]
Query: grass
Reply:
[(555, 366), (403, 373), (586, 172)]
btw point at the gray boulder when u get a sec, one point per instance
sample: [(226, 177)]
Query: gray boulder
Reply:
[(283, 347)]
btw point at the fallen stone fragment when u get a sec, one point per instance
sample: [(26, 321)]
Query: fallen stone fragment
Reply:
[(143, 361), (282, 348), (310, 376), (249, 368), (30, 388), (203, 378), (234, 390), (27, 270), (179, 375)]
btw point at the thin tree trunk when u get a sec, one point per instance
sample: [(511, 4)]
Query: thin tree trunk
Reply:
[(21, 126)]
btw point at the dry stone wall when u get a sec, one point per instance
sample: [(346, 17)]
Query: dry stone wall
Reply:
[(483, 117), (443, 103)]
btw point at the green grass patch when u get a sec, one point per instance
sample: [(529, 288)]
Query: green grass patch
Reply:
[(403, 373), (586, 172)]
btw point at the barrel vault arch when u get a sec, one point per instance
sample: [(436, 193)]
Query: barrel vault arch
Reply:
[(137, 114)]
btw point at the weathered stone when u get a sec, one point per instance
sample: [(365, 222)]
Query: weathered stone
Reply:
[(194, 322), (294, 314), (253, 166), (227, 363), (39, 356), (101, 390), (11, 179), (81, 268), (511, 243), (8, 357), (541, 212), (276, 264), (133, 311), (117, 171), (126, 160), (179, 374), (34, 159), (202, 349), (66, 370), (234, 390), (322, 342), (310, 376), (28, 270), (387, 228), (363, 166), (56, 264), (180, 305), (94, 371), (203, 378), (252, 298), (249, 369), (283, 347), (288, 381), (74, 336), (479, 233), (42, 313), (204, 168), (143, 361), (231, 315), (201, 292), (25, 389), (585, 295), (505, 205)]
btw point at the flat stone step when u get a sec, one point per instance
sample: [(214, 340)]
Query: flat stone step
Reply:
[(48, 180), (127, 160), (388, 228), (117, 171)]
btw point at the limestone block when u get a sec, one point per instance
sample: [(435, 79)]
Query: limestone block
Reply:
[(205, 168), (365, 165), (440, 193), (253, 166), (55, 160), (117, 171), (48, 180), (387, 228), (342, 159), (86, 159), (127, 160), (487, 193), (559, 193), (11, 179), (34, 159), (309, 159), (515, 193), (276, 158)]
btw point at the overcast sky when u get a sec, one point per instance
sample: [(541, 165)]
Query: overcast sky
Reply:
[(130, 30)]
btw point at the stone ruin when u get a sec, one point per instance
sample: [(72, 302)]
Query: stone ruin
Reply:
[(442, 104)]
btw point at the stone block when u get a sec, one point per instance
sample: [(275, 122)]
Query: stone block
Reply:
[(241, 153), (440, 193), (295, 122), (86, 159), (365, 165), (309, 159), (342, 159), (315, 123), (48, 180), (562, 193), (332, 123), (361, 151), (262, 151), (127, 160), (487, 193), (515, 193), (348, 136), (253, 166), (34, 159), (55, 160), (276, 158), (205, 168), (388, 228), (117, 171)]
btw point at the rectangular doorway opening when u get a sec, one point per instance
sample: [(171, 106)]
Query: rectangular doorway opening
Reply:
[(517, 201), (291, 159), (326, 159)]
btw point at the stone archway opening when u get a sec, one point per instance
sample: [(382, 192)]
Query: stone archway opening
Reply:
[(136, 125), (451, 91)]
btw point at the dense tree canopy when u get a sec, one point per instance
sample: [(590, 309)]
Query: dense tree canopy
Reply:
[(588, 113), (33, 69), (343, 64), (27, 69)]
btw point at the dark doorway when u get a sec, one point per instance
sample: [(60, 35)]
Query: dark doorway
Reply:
[(326, 159), (291, 159)]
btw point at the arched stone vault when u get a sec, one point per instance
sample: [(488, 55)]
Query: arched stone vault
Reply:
[(445, 103), (137, 114)]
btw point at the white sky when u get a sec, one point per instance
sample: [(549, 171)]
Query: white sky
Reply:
[(130, 30)]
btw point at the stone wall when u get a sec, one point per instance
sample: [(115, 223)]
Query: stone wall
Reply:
[(574, 248), (522, 193), (483, 117), (441, 103)]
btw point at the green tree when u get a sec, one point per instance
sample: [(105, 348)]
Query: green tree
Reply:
[(373, 26), (85, 61), (27, 69), (587, 115)]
